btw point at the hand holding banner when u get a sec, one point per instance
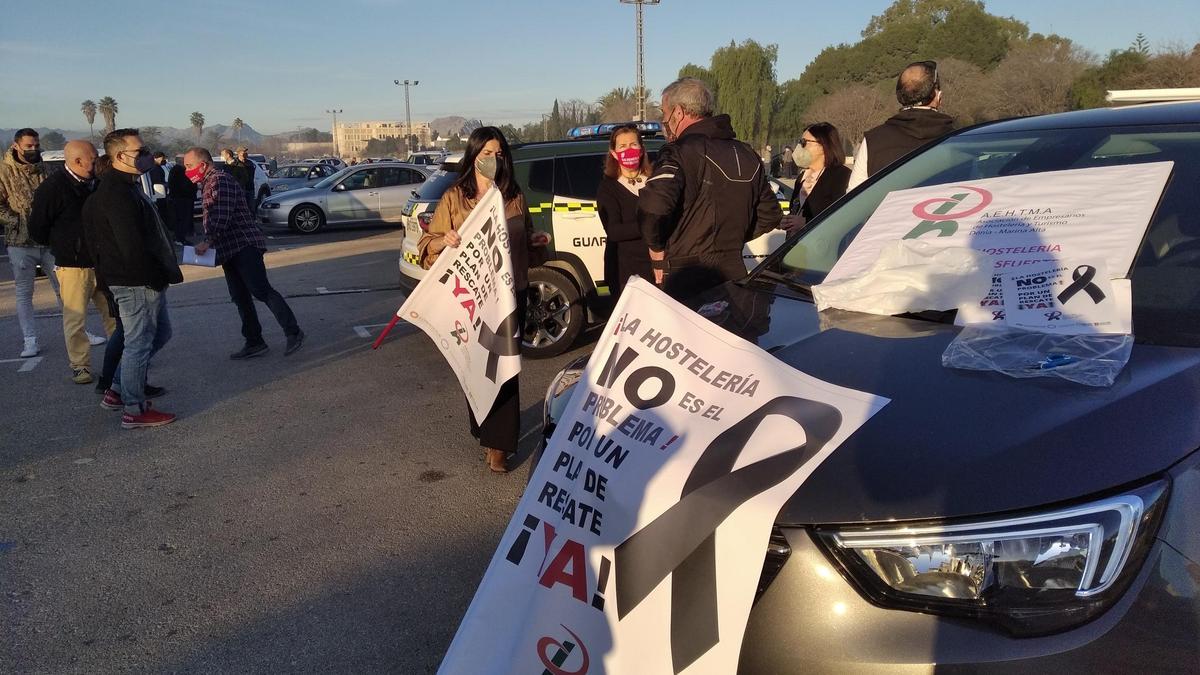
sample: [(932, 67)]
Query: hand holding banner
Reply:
[(466, 303)]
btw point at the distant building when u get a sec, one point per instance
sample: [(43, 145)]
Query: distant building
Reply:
[(309, 149), (351, 138)]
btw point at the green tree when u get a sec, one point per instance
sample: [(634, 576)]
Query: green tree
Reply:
[(794, 98), (618, 105), (53, 140), (197, 122), (88, 108), (1090, 87), (704, 75), (151, 137), (744, 76), (556, 127), (238, 124), (108, 108), (1140, 45)]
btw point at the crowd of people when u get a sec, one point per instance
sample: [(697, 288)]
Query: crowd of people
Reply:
[(681, 223), (98, 233)]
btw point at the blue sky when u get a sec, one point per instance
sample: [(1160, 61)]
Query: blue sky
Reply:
[(278, 64)]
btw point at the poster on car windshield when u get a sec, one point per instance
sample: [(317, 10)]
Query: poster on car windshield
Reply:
[(1071, 297), (467, 305), (1092, 214), (638, 544)]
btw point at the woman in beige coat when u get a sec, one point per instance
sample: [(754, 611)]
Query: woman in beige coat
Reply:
[(486, 162)]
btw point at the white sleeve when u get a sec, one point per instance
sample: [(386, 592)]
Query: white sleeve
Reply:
[(859, 173)]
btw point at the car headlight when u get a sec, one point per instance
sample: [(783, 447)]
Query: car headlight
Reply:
[(1032, 575), (269, 205), (559, 392)]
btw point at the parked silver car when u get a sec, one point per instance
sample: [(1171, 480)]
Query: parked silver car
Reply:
[(291, 176), (371, 193)]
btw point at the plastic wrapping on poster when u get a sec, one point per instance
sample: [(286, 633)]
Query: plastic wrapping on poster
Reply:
[(1091, 359), (911, 276)]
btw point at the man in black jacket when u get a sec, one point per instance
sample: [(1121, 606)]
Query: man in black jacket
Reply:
[(136, 262), (707, 197), (919, 122), (56, 220), (181, 196)]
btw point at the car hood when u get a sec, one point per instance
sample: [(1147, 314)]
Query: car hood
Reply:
[(293, 193), (953, 443)]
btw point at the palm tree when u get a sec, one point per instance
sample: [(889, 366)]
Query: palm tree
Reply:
[(237, 128), (197, 120), (108, 108), (618, 105), (88, 108)]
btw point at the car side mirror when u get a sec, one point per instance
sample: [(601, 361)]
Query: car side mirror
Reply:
[(340, 187)]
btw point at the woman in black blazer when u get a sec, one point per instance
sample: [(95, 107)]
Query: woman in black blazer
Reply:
[(825, 174), (626, 168)]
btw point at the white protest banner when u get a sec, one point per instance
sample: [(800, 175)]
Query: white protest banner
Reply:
[(638, 544), (1068, 297), (466, 304), (1097, 214)]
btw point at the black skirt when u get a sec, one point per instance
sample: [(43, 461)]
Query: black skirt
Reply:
[(501, 429)]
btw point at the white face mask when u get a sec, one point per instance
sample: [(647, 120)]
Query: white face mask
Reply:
[(802, 157)]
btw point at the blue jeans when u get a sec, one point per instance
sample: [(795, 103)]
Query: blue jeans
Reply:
[(24, 261), (147, 327)]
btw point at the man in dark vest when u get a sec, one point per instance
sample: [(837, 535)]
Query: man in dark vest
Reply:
[(919, 122)]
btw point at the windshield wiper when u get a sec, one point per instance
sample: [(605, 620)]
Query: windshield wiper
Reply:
[(791, 283)]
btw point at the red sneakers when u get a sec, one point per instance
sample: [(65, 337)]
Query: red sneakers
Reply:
[(112, 401), (148, 418)]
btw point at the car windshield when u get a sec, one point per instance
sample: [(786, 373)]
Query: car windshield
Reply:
[(436, 184), (334, 178), (1166, 272)]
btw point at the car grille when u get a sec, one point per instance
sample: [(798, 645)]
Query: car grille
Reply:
[(778, 551)]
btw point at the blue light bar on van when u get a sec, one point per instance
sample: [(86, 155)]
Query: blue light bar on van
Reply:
[(588, 131)]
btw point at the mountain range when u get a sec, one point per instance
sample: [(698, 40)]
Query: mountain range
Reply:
[(225, 133)]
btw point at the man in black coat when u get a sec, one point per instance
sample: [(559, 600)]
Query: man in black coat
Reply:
[(918, 123), (56, 220), (181, 197), (136, 262), (707, 197)]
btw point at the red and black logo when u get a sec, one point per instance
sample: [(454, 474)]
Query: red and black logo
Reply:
[(561, 658)]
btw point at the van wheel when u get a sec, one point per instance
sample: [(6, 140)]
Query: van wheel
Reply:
[(306, 219), (553, 314)]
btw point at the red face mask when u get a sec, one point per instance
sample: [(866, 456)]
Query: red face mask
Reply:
[(630, 158), (195, 174)]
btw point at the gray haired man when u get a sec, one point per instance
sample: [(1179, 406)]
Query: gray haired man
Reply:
[(707, 197)]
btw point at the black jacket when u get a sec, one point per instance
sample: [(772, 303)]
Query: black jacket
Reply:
[(829, 188), (708, 195), (56, 219), (125, 236), (158, 175), (902, 133), (178, 185), (243, 173), (625, 254)]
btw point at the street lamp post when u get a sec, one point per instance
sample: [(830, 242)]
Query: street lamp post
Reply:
[(408, 134), (335, 112), (641, 71)]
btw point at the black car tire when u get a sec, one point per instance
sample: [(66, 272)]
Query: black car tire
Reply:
[(306, 219), (553, 314)]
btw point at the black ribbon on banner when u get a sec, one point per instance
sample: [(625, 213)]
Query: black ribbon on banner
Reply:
[(681, 543), (1082, 276), (501, 342)]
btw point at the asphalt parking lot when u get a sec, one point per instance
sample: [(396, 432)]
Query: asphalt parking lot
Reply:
[(326, 511)]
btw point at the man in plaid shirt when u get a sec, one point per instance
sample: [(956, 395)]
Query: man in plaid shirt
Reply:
[(230, 229)]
